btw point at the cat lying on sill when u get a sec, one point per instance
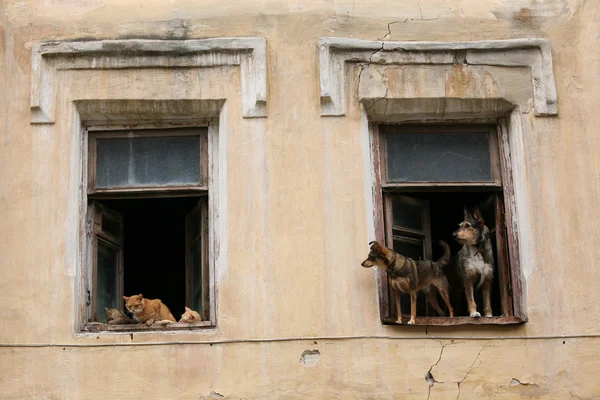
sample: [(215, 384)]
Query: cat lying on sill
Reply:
[(149, 312)]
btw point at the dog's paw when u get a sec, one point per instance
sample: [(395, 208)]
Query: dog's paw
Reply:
[(475, 315), (411, 322), (488, 315), (399, 321)]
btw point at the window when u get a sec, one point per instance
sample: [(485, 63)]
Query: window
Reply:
[(148, 223), (426, 174)]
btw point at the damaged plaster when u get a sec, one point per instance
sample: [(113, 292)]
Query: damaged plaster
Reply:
[(310, 358), (295, 206), (213, 395), (531, 53)]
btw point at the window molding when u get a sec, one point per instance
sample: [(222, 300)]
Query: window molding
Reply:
[(507, 264), (515, 126), (217, 206), (209, 141), (49, 57), (380, 222), (532, 53)]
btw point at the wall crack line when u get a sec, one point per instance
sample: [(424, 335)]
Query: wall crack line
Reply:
[(469, 370)]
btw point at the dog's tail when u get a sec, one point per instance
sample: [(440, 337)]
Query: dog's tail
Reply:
[(445, 259)]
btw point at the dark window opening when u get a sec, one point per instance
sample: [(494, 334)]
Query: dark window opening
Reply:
[(154, 243), (445, 212)]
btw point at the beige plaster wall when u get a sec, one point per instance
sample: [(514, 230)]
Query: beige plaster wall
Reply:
[(296, 214)]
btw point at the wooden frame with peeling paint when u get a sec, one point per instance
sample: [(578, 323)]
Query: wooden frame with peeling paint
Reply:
[(507, 266), (208, 168)]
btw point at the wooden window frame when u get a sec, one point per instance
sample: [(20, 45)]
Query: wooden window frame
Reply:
[(495, 167), (172, 190), (97, 211), (189, 241), (424, 234), (91, 135), (501, 183)]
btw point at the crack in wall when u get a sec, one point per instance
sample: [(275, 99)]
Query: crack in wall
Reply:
[(429, 377), (389, 29), (469, 370), (420, 10), (362, 66), (431, 381)]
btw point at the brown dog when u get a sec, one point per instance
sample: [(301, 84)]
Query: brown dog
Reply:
[(409, 276)]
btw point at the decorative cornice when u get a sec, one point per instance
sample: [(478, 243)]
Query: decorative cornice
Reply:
[(249, 53), (532, 53)]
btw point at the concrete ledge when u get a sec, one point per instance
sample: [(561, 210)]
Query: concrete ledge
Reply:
[(104, 112), (248, 53), (435, 109), (532, 53)]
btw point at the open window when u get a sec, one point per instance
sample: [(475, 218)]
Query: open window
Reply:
[(107, 260), (196, 261), (426, 175), (148, 223)]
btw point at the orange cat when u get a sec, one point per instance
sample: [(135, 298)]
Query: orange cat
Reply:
[(190, 316), (148, 311)]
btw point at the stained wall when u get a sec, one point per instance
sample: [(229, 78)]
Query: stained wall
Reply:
[(296, 213)]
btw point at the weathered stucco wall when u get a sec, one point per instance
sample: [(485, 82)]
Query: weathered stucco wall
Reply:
[(296, 225)]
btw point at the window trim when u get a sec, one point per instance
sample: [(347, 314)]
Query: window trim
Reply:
[(211, 181), (503, 183)]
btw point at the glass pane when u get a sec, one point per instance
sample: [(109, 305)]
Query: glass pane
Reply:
[(196, 286), (151, 161), (107, 296), (438, 157), (411, 249), (111, 226), (407, 215)]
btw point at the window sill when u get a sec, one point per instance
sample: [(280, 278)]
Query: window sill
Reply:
[(175, 326), (447, 321)]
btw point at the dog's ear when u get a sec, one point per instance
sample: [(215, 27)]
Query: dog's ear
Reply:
[(375, 245), (383, 251), (478, 217), (465, 212)]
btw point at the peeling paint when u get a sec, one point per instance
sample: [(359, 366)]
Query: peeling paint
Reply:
[(296, 206), (212, 395), (516, 382), (310, 358)]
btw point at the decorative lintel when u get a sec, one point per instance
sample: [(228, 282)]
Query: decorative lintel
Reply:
[(532, 53), (249, 53)]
